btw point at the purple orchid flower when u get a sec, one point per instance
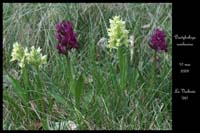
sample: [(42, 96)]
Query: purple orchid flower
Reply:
[(158, 40), (67, 38)]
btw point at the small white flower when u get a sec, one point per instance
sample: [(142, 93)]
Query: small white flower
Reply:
[(22, 62), (23, 56), (72, 125), (39, 49), (118, 35), (17, 52), (36, 58)]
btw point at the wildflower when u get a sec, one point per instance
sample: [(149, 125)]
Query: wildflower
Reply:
[(118, 35), (35, 57), (72, 125), (18, 54), (67, 38), (22, 62), (158, 41)]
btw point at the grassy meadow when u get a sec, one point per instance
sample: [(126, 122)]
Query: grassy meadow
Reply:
[(45, 99)]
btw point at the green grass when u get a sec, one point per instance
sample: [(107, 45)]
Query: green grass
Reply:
[(141, 105)]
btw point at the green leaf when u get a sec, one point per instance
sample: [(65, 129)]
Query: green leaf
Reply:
[(27, 85), (13, 104), (16, 86), (38, 81), (45, 124), (25, 77), (57, 97), (78, 89), (120, 56)]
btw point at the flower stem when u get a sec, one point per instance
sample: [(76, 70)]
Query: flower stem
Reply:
[(40, 90), (26, 83), (123, 68), (70, 73), (154, 69)]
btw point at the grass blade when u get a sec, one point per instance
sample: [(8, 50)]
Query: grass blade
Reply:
[(78, 89), (57, 97), (17, 87)]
